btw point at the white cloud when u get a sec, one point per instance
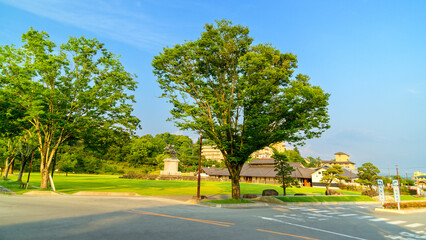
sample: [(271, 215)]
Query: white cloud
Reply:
[(111, 19)]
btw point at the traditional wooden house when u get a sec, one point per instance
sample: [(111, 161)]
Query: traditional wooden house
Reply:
[(262, 171)]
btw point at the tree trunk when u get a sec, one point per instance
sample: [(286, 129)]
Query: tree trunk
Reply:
[(21, 170), (284, 190), (234, 173), (7, 165), (44, 178)]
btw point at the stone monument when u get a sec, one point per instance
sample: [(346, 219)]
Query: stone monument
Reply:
[(171, 164)]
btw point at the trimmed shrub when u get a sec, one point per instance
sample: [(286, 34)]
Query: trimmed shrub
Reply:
[(370, 193)]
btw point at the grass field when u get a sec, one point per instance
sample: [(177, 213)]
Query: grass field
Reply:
[(112, 183)]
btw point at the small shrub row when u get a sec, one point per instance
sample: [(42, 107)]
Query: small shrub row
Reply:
[(393, 205), (370, 193)]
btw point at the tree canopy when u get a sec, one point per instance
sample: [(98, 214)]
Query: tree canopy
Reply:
[(67, 90), (332, 173), (242, 96), (368, 174)]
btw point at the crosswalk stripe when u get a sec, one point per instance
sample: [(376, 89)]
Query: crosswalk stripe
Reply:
[(397, 222), (348, 215), (334, 213), (322, 211), (377, 219), (364, 217), (414, 225)]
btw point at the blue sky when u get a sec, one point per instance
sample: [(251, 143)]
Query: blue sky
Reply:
[(369, 55)]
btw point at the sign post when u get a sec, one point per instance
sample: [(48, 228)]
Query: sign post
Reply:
[(381, 189), (396, 193)]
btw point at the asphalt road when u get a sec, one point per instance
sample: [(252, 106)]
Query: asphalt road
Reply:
[(82, 217)]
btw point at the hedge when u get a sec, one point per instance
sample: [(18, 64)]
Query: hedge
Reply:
[(394, 205)]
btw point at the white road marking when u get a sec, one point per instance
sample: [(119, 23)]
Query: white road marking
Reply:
[(378, 219), (364, 217), (397, 222), (322, 211), (283, 216), (317, 229), (334, 213), (414, 225), (296, 208), (348, 215), (339, 208), (317, 215)]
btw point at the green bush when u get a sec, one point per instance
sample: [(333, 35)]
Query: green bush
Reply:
[(393, 205), (370, 193)]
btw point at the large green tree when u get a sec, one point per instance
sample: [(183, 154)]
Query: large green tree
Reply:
[(333, 173), (66, 90), (242, 96), (368, 174)]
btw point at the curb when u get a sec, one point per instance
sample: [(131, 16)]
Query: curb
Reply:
[(405, 211), (6, 190), (235, 205), (42, 193)]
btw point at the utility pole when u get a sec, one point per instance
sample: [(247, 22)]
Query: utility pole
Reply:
[(397, 174), (199, 167)]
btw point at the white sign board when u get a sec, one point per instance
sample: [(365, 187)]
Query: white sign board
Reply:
[(381, 189), (396, 193)]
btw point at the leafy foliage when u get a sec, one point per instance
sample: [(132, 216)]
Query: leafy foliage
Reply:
[(368, 174), (66, 91), (332, 173), (284, 171), (243, 97)]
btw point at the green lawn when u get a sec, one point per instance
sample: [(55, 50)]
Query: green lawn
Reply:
[(410, 198), (112, 183), (326, 199)]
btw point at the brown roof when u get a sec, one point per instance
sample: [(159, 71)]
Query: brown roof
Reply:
[(341, 153), (216, 171), (262, 161), (306, 172), (261, 171), (348, 174)]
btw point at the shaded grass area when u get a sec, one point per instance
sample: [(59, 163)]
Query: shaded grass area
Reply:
[(15, 186), (112, 183), (326, 199), (230, 201)]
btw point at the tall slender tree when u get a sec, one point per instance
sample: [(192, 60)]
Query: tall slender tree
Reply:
[(67, 90), (243, 97)]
